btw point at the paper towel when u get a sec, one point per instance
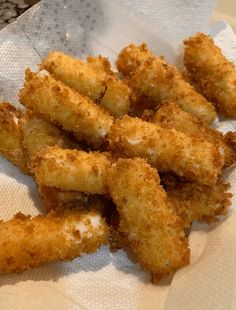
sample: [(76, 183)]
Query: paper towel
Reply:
[(107, 280)]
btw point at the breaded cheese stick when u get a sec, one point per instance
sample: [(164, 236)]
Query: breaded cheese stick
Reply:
[(116, 99), (171, 115), (62, 105), (157, 81), (154, 231), (38, 133), (30, 242), (72, 170), (99, 63), (11, 136), (88, 80), (54, 198), (132, 57), (153, 80), (93, 78), (167, 149), (194, 202), (212, 72)]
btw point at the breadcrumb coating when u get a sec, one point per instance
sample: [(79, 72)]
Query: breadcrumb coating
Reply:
[(153, 80), (170, 115), (157, 81), (27, 242), (194, 202), (88, 80), (167, 149), (72, 170), (93, 78), (38, 133), (117, 239), (62, 105), (212, 72), (132, 57), (155, 233), (11, 136), (117, 97), (54, 198)]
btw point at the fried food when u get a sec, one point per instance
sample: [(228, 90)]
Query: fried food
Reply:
[(194, 202), (72, 170), (54, 198), (212, 72), (155, 233), (154, 80), (93, 78), (170, 115), (117, 239), (117, 97), (38, 133), (87, 78), (167, 149), (30, 242), (62, 105), (11, 136), (132, 57)]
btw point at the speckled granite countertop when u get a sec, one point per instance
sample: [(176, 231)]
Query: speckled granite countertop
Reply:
[(11, 9)]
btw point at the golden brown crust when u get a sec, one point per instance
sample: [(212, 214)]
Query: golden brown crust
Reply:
[(30, 242), (212, 72), (54, 198), (11, 135), (86, 78), (72, 170), (132, 57), (154, 231), (167, 149), (194, 202), (153, 80), (117, 97), (93, 78), (66, 107), (170, 115), (156, 81), (37, 134), (117, 239)]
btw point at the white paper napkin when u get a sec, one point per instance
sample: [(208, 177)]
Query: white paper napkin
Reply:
[(104, 280)]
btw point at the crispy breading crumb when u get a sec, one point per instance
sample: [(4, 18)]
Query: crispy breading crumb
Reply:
[(167, 149), (30, 242), (212, 72), (155, 233)]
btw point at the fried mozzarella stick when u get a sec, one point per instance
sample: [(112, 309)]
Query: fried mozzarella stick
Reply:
[(38, 133), (132, 57), (93, 78), (11, 136), (72, 170), (212, 72), (167, 149), (54, 198), (171, 115), (62, 105), (30, 242), (154, 231), (155, 81), (194, 202)]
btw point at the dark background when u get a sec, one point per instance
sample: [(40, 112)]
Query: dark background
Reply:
[(11, 9)]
